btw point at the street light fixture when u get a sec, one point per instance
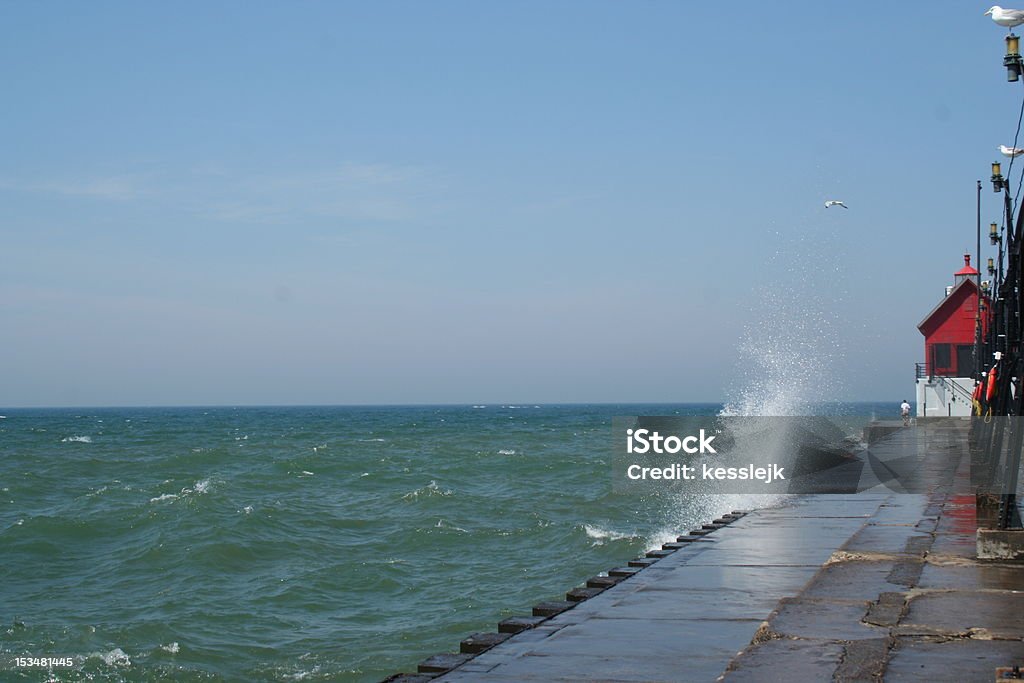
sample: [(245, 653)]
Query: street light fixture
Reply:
[(998, 181), (1012, 60)]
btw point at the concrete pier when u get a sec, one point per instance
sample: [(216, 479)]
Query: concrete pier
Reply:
[(873, 586)]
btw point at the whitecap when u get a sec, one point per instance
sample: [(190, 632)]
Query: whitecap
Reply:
[(247, 509), (307, 473), (115, 657), (507, 451), (600, 535), (173, 648), (431, 489), (78, 439), (441, 524), (166, 496), (200, 487)]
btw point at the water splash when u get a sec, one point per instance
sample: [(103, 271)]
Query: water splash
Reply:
[(791, 347)]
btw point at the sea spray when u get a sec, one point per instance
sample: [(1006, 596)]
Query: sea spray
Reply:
[(790, 351)]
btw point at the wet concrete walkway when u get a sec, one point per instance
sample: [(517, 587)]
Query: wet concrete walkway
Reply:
[(873, 586)]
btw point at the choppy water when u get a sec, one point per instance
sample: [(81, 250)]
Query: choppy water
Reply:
[(313, 544)]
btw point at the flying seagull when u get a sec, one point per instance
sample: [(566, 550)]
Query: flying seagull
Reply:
[(1006, 17), (1011, 151), (835, 202)]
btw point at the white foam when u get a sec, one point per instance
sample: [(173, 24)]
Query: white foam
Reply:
[(116, 657), (173, 648), (658, 538), (199, 488), (431, 489), (441, 524), (247, 509), (166, 496), (507, 451), (78, 439), (600, 535)]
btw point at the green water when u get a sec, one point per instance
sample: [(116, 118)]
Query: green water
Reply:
[(312, 544)]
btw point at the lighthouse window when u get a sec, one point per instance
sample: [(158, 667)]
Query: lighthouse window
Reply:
[(964, 360), (941, 356)]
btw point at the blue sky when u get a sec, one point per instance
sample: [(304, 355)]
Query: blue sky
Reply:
[(409, 202)]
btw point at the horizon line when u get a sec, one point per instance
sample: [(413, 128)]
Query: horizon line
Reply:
[(483, 404)]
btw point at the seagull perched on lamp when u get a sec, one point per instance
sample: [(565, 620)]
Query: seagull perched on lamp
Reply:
[(835, 202), (1006, 17)]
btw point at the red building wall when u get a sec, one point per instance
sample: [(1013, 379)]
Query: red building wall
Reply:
[(953, 324)]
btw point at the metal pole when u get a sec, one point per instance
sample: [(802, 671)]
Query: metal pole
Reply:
[(977, 305)]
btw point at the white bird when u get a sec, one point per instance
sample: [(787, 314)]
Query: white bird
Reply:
[(1006, 17), (1011, 151), (835, 202)]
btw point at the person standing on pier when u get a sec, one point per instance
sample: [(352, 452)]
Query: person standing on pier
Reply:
[(905, 412)]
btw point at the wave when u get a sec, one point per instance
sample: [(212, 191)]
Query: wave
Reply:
[(601, 536), (431, 489), (442, 524), (166, 496), (507, 451), (76, 439), (115, 657), (199, 488)]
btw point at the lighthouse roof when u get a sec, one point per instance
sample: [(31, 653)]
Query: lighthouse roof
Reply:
[(967, 269)]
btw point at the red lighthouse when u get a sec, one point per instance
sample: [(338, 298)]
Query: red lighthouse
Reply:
[(946, 379)]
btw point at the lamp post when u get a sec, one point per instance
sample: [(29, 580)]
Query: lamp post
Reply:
[(977, 307)]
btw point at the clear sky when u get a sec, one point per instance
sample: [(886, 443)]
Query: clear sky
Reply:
[(418, 202)]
